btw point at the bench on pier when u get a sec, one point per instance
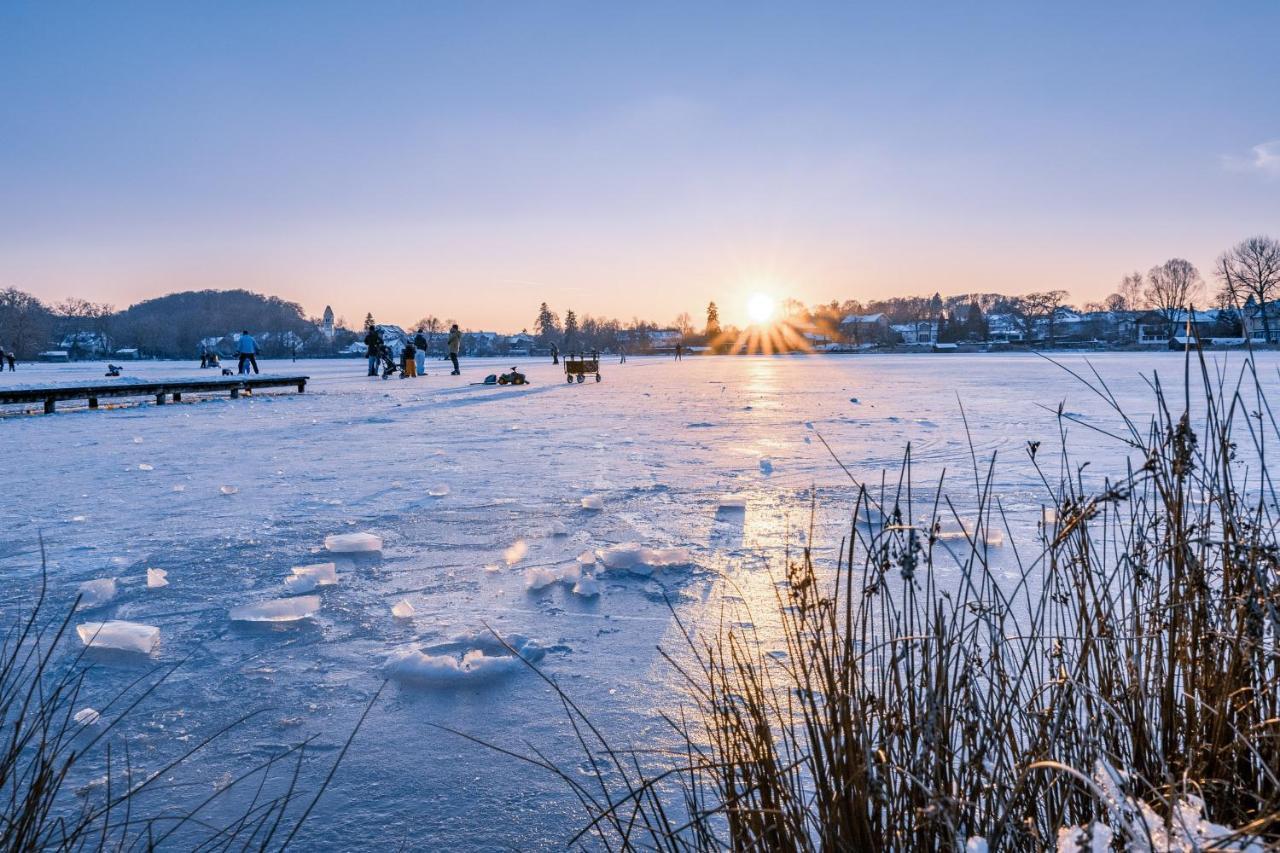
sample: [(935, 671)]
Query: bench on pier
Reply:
[(163, 390)]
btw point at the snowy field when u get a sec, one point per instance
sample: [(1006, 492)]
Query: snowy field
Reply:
[(478, 494)]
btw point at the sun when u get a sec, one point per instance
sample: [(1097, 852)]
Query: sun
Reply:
[(760, 308)]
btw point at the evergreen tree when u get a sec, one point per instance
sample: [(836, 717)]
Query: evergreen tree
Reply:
[(368, 323), (547, 325), (713, 322), (570, 329)]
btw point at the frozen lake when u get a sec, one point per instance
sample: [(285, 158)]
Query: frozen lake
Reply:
[(227, 495)]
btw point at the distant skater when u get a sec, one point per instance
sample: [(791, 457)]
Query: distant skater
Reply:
[(622, 355), (455, 344), (248, 349), (421, 343), (679, 352), (555, 354)]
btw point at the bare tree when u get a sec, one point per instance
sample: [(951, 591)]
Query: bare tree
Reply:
[(1115, 302), (431, 324), (1173, 286), (1251, 269), (1132, 292), (684, 323), (1038, 306)]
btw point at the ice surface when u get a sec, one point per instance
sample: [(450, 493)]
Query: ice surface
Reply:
[(593, 502), (307, 578), (278, 610), (353, 543), (119, 635), (469, 658), (157, 578), (402, 609), (515, 553), (86, 716), (96, 593)]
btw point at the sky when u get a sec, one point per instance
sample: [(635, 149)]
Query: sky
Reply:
[(472, 159)]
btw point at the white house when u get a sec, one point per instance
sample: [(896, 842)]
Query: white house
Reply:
[(919, 333)]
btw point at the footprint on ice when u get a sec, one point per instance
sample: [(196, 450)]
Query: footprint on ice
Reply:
[(96, 593), (278, 610), (438, 491), (120, 636), (464, 660), (157, 578), (307, 578), (353, 543)]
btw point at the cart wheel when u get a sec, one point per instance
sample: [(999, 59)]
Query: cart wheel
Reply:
[(597, 377), (568, 378), (581, 377)]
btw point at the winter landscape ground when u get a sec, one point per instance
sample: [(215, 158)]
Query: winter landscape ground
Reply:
[(484, 499)]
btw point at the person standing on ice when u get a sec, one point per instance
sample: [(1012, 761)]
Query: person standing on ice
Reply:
[(679, 352), (373, 348), (421, 343), (555, 354), (248, 349), (409, 361), (455, 345)]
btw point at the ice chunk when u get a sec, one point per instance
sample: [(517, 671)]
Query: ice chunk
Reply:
[(228, 490), (469, 658), (353, 543), (995, 538), (492, 568), (558, 528), (86, 716), (179, 488), (122, 636), (402, 609), (539, 578), (307, 578), (515, 553), (587, 558), (438, 491), (145, 467), (96, 593), (640, 560), (587, 587), (157, 578), (732, 503), (593, 502), (766, 466), (570, 572), (278, 610)]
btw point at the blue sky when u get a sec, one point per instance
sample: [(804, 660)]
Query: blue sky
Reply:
[(472, 159)]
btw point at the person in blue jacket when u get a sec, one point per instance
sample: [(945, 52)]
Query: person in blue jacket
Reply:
[(248, 349)]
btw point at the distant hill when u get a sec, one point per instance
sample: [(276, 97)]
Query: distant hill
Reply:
[(174, 325)]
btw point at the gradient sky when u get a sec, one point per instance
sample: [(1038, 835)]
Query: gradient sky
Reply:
[(472, 159)]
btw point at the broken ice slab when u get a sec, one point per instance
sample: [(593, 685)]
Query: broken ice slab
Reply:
[(438, 491), (96, 593), (307, 578), (640, 560), (353, 543), (539, 578), (402, 609), (86, 716), (593, 502), (157, 578), (732, 503), (278, 610), (228, 490), (119, 635), (587, 587), (558, 528), (515, 553), (587, 558)]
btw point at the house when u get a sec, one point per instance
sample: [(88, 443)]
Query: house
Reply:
[(1004, 328), (918, 333), (521, 344), (128, 354), (665, 339), (85, 344), (1156, 328), (865, 328), (1261, 321), (57, 355)]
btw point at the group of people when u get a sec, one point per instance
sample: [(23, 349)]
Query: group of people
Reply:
[(413, 357)]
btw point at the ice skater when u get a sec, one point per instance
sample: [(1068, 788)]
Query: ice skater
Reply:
[(421, 344), (455, 344), (12, 358), (679, 352), (248, 349), (555, 354)]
